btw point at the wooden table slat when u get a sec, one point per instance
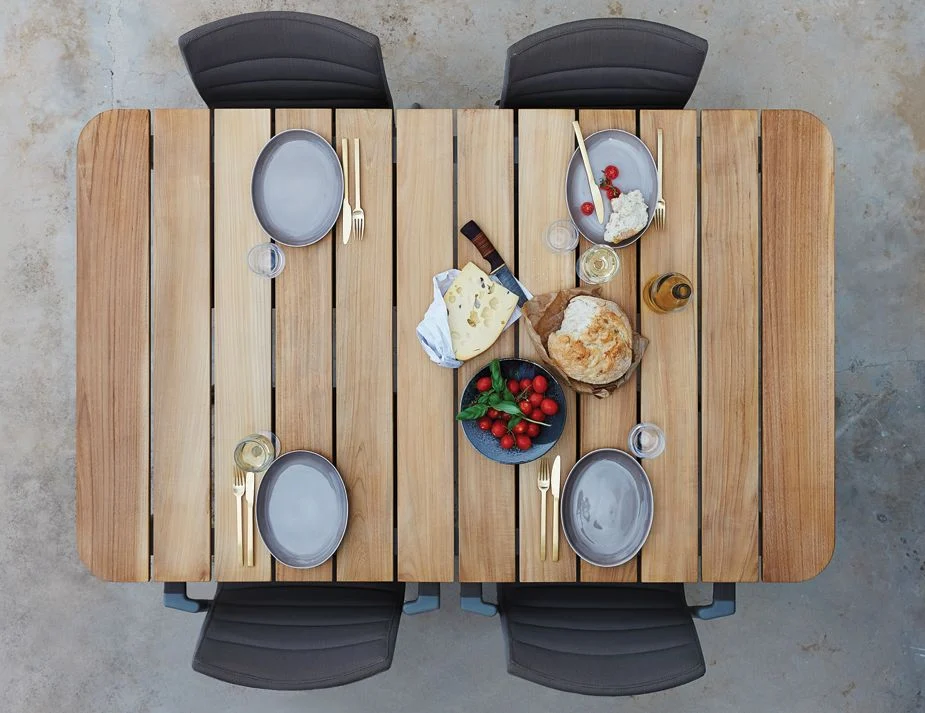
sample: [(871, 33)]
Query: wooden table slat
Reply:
[(546, 142), (729, 295), (113, 361), (424, 241), (669, 369), (181, 345), (605, 423), (486, 490), (242, 329), (798, 345), (363, 355), (305, 343)]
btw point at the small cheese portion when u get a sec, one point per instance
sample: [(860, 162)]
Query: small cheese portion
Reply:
[(477, 308), (630, 215)]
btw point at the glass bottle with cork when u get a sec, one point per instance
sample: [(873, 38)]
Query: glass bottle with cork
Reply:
[(668, 293)]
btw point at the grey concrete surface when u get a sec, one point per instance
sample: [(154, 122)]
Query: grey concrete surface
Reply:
[(853, 639)]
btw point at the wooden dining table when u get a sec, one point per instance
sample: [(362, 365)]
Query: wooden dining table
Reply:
[(182, 351)]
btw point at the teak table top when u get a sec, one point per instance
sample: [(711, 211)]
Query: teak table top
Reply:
[(181, 351)]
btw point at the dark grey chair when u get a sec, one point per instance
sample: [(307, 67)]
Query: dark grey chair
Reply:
[(285, 59), (295, 636), (606, 62), (601, 639)]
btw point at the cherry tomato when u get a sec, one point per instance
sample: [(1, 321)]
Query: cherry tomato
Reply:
[(540, 384), (485, 423), (538, 415), (524, 442), (525, 384), (483, 384), (587, 208), (521, 428), (525, 407), (535, 399), (611, 172), (533, 430), (611, 191), (505, 417), (493, 414), (513, 386), (498, 429), (507, 441), (549, 407)]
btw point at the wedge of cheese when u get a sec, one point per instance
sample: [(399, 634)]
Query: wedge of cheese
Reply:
[(478, 308)]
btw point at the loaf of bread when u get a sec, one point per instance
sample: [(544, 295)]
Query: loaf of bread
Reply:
[(594, 344)]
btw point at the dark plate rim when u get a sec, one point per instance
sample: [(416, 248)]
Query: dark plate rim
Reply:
[(275, 139), (261, 496), (576, 156), (562, 501), (563, 409)]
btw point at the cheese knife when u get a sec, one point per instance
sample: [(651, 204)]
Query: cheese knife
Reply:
[(346, 218), (498, 268), (554, 488), (595, 192)]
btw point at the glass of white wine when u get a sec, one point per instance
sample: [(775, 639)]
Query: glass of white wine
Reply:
[(255, 453), (598, 264)]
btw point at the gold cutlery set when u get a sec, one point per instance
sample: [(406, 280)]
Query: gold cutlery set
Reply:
[(244, 486), (252, 455), (353, 220), (549, 479)]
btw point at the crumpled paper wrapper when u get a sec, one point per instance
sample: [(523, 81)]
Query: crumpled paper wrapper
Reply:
[(544, 315), (434, 330)]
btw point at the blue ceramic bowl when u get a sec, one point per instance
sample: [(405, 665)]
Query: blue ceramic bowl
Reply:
[(487, 444)]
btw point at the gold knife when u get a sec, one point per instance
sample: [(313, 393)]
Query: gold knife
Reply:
[(556, 471), (346, 217), (595, 191), (249, 504)]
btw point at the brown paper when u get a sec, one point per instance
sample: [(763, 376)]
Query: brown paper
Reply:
[(544, 314)]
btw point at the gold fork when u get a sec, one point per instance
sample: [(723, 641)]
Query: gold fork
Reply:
[(359, 219), (660, 205), (542, 482), (238, 488)]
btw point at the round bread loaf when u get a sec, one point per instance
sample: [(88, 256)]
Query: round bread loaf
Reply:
[(594, 343)]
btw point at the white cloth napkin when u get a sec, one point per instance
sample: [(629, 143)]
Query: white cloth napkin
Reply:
[(434, 330)]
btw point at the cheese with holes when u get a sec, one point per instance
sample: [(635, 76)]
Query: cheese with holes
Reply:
[(477, 308)]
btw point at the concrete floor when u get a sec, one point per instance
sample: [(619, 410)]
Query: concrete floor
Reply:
[(853, 639)]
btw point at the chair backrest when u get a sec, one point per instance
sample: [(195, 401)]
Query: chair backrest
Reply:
[(606, 640), (299, 636), (285, 59), (606, 62)]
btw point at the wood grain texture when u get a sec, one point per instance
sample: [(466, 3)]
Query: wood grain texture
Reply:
[(669, 368), (605, 423), (305, 343), (423, 247), (364, 356), (181, 346), (113, 360), (242, 328), (798, 343), (729, 295), (546, 142), (486, 490)]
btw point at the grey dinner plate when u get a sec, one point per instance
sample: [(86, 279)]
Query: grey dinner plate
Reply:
[(302, 509), (637, 172), (297, 187), (606, 507)]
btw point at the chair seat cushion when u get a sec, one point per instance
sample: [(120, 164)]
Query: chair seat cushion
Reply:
[(600, 639), (299, 636)]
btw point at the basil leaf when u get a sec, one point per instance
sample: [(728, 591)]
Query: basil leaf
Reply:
[(514, 421), (493, 399), (497, 381), (508, 396), (483, 398), (472, 412), (509, 407)]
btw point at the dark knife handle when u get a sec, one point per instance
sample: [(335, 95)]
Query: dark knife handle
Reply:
[(472, 231)]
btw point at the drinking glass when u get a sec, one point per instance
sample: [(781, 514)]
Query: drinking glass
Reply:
[(561, 236), (255, 453), (598, 264), (646, 440), (266, 259)]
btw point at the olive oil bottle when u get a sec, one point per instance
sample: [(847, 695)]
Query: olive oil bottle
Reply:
[(668, 293)]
